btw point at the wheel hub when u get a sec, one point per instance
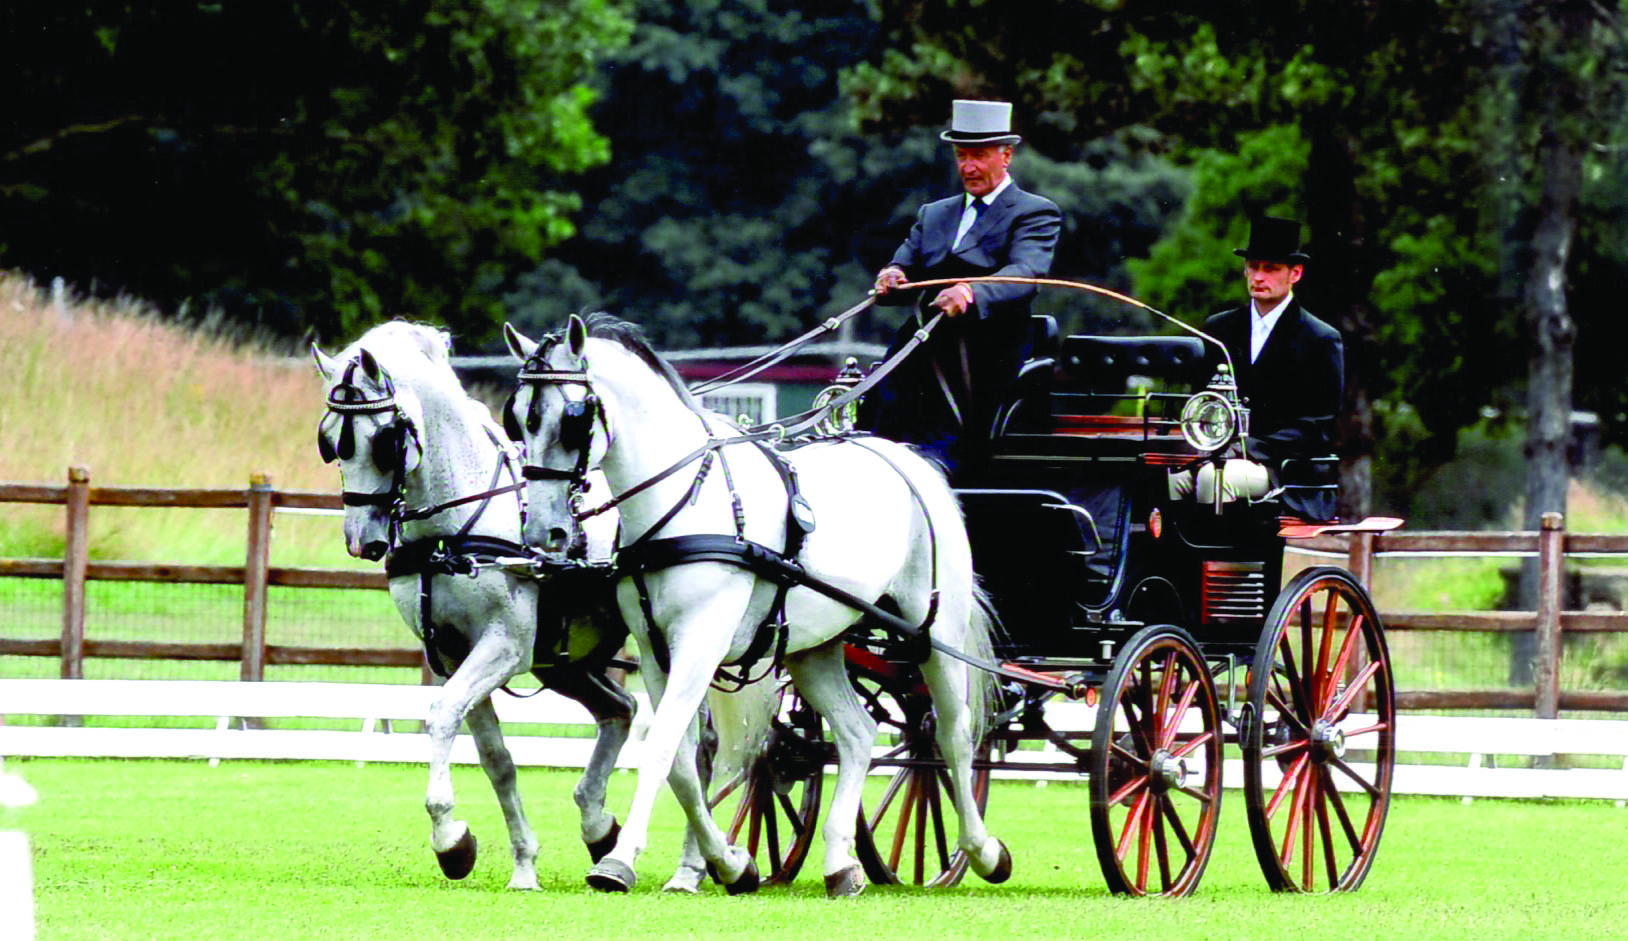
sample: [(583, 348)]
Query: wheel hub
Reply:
[(1168, 771), (1327, 741)]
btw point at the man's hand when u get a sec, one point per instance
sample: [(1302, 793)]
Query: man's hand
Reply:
[(954, 300), (889, 278)]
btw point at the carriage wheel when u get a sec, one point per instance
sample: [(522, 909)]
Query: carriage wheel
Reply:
[(1156, 766), (909, 836), (1319, 735), (777, 801)]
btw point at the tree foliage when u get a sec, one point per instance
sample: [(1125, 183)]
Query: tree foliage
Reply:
[(299, 164)]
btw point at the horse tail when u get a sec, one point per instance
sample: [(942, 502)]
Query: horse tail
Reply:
[(981, 694), (743, 721)]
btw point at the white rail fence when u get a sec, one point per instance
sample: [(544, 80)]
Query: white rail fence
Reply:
[(1423, 742)]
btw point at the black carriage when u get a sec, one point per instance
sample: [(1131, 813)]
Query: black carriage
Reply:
[(1147, 641)]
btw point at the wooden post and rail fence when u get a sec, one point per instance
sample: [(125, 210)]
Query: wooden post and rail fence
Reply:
[(1552, 545)]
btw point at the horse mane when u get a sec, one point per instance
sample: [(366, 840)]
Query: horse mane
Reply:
[(629, 336)]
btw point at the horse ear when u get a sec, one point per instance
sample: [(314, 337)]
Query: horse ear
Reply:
[(519, 346), (325, 364), (576, 336), (370, 366)]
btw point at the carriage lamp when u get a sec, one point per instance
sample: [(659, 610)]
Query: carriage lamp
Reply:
[(1208, 421), (840, 421)]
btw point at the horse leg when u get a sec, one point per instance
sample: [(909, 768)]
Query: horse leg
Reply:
[(612, 708), (947, 682), (677, 699), (499, 768), (492, 661), (822, 677)]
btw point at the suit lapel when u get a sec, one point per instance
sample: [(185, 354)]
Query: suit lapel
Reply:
[(993, 218), (1279, 341)]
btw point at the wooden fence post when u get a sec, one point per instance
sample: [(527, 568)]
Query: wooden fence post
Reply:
[(255, 567), (75, 560), (1551, 575)]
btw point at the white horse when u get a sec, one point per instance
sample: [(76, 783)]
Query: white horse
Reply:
[(885, 524), (424, 468)]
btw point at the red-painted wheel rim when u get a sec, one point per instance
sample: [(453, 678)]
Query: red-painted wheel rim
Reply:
[(1318, 736), (1156, 760)]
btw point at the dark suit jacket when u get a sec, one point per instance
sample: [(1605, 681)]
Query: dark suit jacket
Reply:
[(1293, 392), (1016, 236)]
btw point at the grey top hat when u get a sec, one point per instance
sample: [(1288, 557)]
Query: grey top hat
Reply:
[(1272, 239), (980, 124)]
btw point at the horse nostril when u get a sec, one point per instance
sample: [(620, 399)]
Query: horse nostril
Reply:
[(374, 551), (558, 539)]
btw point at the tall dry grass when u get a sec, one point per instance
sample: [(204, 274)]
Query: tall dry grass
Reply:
[(143, 401)]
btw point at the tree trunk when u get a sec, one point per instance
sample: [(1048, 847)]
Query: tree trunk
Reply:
[(1337, 290), (1549, 322)]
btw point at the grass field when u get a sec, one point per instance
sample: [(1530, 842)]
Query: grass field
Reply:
[(246, 850)]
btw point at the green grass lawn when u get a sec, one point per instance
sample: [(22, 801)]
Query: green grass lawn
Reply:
[(149, 849)]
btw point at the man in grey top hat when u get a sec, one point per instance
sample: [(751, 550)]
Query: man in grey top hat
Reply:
[(942, 398), (1290, 369)]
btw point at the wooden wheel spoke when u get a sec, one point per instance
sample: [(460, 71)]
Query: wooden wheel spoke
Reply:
[(911, 795), (1338, 804), (728, 789), (1193, 744), (1376, 727), (1285, 786), (1295, 680), (1128, 789), (924, 801), (1346, 648), (1324, 646), (1288, 714), (1297, 806), (1179, 828), (1306, 652), (793, 816), (1132, 820), (1308, 858), (1338, 708), (1160, 846), (1283, 749), (887, 800), (1132, 757), (1196, 794), (1182, 705), (1328, 841), (1372, 789), (771, 824), (1167, 684), (938, 820), (1144, 847)]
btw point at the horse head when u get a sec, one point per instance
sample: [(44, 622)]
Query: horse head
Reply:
[(555, 413), (371, 430)]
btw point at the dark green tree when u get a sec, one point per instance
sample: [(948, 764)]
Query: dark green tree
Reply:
[(299, 164)]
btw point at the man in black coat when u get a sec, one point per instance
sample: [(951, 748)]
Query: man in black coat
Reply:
[(942, 398), (1289, 366)]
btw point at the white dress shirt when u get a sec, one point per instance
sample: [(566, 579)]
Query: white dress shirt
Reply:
[(970, 215), (1260, 327)]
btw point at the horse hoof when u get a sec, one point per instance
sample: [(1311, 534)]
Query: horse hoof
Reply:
[(612, 875), (745, 884), (458, 861), (1003, 868), (601, 847), (845, 884)]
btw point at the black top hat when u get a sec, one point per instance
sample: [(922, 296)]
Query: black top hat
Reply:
[(1273, 239), (980, 124)]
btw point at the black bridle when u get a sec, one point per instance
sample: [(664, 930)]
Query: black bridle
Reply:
[(389, 455), (576, 424), (389, 445)]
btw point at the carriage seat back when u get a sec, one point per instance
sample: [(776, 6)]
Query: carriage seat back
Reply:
[(1025, 408), (1105, 364)]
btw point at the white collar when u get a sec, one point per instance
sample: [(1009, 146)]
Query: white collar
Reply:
[(989, 197), (1260, 328), (1271, 315)]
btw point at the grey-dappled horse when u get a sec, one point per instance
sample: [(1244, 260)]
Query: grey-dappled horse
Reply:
[(885, 523), (431, 487)]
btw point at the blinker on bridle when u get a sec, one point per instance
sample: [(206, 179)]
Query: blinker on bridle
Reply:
[(576, 423), (389, 443)]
